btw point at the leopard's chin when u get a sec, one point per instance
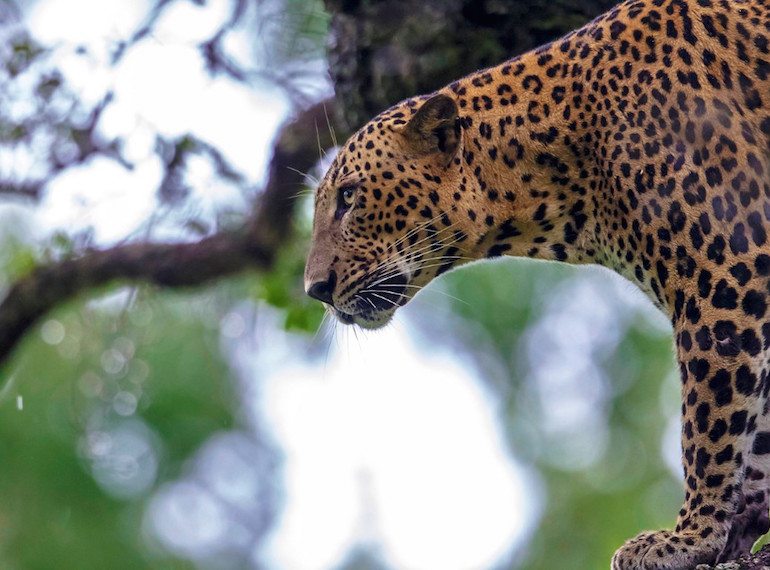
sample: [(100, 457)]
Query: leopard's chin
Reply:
[(375, 302), (368, 321)]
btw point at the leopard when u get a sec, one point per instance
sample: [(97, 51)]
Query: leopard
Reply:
[(639, 142)]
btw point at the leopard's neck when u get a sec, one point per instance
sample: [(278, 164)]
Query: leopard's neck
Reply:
[(542, 175), (529, 177)]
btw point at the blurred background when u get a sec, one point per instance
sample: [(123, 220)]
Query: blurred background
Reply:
[(517, 415)]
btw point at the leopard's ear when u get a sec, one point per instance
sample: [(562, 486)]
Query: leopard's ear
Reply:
[(435, 128)]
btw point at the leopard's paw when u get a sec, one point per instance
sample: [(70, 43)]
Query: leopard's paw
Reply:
[(665, 550)]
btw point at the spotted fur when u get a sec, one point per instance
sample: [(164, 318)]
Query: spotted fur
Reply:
[(640, 142)]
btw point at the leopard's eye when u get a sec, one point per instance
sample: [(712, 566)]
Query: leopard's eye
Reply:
[(345, 199), (348, 192)]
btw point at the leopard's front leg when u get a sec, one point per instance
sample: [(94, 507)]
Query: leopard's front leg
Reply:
[(720, 363)]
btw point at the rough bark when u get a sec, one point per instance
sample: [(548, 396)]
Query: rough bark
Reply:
[(383, 51), (758, 561)]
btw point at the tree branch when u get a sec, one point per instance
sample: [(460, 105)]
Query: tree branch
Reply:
[(295, 153), (180, 265), (758, 561), (27, 189), (167, 265)]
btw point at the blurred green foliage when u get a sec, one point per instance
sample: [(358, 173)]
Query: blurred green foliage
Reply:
[(63, 401), (591, 507), (184, 396), (283, 289)]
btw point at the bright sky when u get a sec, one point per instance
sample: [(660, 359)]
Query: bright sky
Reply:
[(160, 87), (408, 428)]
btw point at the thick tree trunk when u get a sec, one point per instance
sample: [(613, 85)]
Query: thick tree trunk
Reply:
[(759, 561), (383, 51)]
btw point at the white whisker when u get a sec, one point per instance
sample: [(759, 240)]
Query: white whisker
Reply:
[(393, 303), (415, 266), (387, 263), (331, 129), (418, 289)]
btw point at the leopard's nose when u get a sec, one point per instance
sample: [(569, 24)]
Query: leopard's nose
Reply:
[(324, 290)]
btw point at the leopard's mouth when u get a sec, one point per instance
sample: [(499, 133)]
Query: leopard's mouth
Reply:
[(374, 304), (344, 318)]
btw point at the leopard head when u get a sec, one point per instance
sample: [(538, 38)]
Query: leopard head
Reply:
[(384, 225)]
